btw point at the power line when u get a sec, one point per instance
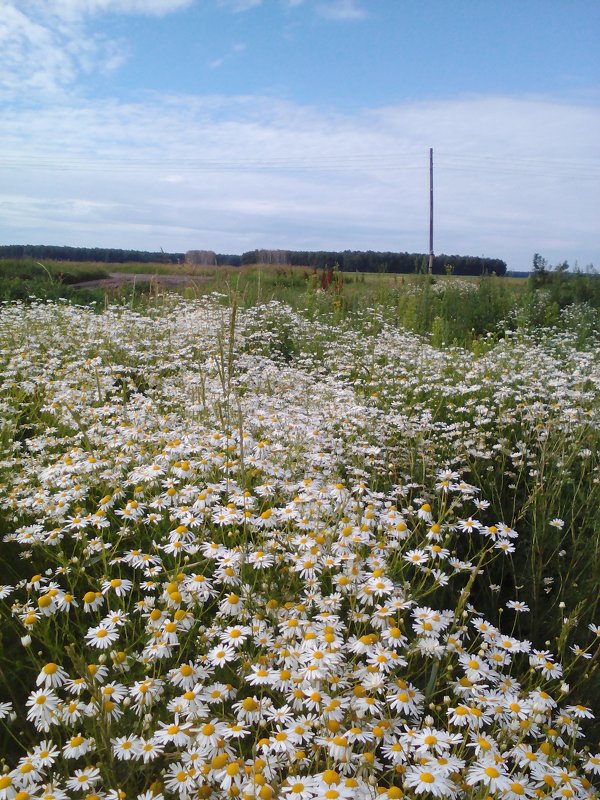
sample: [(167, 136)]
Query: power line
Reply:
[(390, 161)]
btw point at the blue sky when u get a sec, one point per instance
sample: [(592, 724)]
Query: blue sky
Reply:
[(302, 124)]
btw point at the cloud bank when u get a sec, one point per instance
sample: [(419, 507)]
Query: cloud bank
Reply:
[(231, 174), (513, 176)]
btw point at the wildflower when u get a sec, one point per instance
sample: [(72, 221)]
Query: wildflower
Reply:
[(102, 636), (186, 675), (235, 731), (519, 786), (550, 669), (517, 605), (231, 604), (259, 676), (84, 779), (125, 747), (406, 700), (77, 746), (429, 740), (235, 635), (179, 779), (209, 733), (45, 753), (469, 525), (299, 788), (43, 706), (489, 773), (504, 545), (593, 764), (145, 692), (147, 750), (92, 601), (97, 672), (8, 790), (580, 712), (579, 651), (177, 732), (52, 791), (51, 676), (219, 656), (120, 586), (425, 779), (416, 556)]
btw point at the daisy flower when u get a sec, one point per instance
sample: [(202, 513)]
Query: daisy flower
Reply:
[(124, 747), (426, 779), (147, 749), (77, 746), (489, 773), (84, 779), (180, 780), (45, 753), (102, 636), (120, 586), (51, 676), (519, 787), (517, 605), (43, 706), (593, 764), (221, 655), (299, 787)]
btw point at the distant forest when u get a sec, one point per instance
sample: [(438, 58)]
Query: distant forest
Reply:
[(346, 261), (370, 261), (102, 254)]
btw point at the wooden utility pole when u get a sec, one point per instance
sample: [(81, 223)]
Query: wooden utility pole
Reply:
[(431, 210)]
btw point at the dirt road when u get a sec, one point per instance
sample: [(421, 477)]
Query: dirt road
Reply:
[(117, 279)]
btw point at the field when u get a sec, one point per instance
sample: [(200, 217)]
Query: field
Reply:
[(285, 535)]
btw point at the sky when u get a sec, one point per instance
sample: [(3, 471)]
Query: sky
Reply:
[(230, 125)]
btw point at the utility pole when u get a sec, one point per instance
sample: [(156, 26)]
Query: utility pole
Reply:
[(431, 210)]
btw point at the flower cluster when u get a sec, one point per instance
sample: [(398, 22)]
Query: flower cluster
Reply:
[(222, 589)]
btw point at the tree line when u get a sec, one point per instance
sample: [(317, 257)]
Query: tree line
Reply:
[(108, 255), (345, 261), (372, 261)]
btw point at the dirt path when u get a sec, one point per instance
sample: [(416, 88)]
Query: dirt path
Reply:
[(117, 279)]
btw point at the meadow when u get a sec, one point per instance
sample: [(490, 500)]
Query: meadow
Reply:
[(280, 536)]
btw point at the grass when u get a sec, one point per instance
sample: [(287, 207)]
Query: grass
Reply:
[(469, 312)]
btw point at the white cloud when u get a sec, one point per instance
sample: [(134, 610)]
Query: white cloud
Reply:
[(232, 174), (82, 8), (239, 5), (33, 57), (47, 45), (343, 10)]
